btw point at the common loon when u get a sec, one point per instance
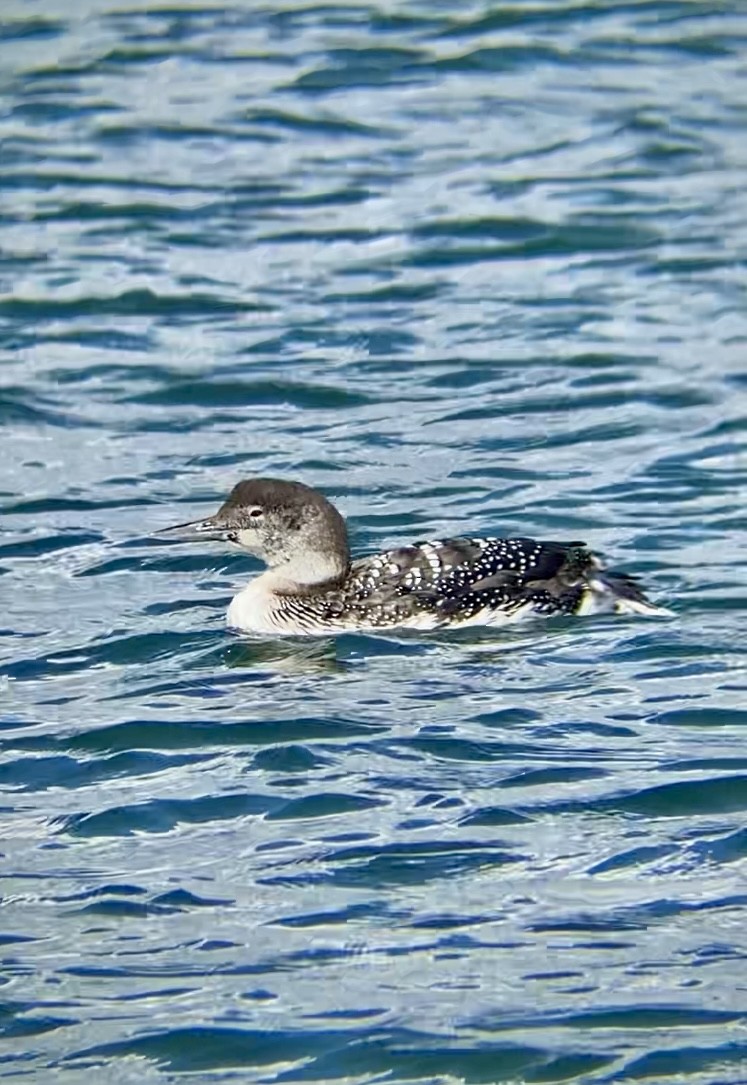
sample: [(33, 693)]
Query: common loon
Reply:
[(312, 587)]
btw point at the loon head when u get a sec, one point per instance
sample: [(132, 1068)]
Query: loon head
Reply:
[(293, 528)]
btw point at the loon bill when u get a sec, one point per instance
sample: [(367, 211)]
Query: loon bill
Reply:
[(313, 587)]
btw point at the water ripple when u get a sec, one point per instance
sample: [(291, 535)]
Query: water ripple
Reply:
[(465, 268)]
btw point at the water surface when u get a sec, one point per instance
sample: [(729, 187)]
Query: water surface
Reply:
[(462, 266)]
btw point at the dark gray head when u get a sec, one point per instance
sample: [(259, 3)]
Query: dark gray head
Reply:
[(288, 525)]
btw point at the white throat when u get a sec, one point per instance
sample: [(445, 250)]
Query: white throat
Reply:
[(306, 570)]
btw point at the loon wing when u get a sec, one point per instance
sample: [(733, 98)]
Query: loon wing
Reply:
[(516, 574), (483, 581), (449, 572)]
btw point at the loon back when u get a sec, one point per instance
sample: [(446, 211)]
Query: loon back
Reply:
[(484, 581)]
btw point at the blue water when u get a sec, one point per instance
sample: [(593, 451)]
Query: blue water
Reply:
[(463, 266)]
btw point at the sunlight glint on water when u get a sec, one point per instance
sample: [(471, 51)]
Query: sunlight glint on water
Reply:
[(465, 268)]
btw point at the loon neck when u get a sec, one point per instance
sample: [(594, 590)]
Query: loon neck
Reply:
[(308, 573)]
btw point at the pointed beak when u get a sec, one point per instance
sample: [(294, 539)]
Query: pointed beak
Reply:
[(196, 530)]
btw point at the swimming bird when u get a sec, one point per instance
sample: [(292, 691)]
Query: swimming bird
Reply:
[(312, 587)]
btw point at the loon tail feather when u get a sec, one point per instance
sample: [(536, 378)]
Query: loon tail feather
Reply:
[(620, 593)]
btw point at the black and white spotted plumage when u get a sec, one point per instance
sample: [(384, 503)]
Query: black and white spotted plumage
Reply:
[(465, 581), (312, 586)]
